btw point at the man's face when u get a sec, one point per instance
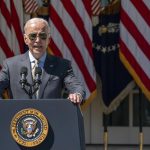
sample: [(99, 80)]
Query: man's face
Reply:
[(37, 38)]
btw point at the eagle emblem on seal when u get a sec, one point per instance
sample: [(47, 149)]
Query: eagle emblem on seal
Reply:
[(29, 127)]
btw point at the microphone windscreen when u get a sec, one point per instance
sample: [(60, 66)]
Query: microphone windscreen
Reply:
[(24, 70), (38, 70)]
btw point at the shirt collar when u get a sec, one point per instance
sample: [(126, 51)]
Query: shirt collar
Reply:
[(42, 59)]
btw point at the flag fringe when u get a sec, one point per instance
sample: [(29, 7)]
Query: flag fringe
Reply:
[(134, 75), (116, 102)]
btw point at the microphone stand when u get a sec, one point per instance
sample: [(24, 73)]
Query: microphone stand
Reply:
[(32, 88), (29, 91), (36, 86)]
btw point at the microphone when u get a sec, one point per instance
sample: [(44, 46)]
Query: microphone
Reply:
[(38, 73), (23, 75)]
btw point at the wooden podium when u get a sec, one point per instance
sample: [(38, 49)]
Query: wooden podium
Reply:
[(65, 124)]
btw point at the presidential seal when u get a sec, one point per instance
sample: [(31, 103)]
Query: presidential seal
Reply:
[(29, 127)]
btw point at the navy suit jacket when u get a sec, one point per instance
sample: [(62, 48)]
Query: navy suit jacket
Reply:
[(57, 73)]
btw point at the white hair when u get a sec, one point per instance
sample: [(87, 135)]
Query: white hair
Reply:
[(33, 20)]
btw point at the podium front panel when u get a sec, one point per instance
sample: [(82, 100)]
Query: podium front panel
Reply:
[(66, 129)]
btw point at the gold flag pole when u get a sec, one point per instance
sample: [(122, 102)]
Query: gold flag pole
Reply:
[(105, 137), (105, 140), (140, 121), (141, 140)]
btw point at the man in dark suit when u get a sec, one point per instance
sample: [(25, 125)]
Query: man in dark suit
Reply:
[(57, 73)]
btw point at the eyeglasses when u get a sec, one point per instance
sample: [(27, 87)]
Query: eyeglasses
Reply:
[(41, 35)]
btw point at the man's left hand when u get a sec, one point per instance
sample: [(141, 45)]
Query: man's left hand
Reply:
[(75, 98)]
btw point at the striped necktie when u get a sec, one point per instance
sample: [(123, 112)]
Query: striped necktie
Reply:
[(36, 64)]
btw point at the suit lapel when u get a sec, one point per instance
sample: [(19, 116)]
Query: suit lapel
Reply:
[(26, 63), (46, 75)]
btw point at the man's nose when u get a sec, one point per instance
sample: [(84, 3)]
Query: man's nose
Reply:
[(37, 38)]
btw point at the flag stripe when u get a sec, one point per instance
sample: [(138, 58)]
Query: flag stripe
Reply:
[(5, 46), (5, 29), (66, 53), (16, 25), (5, 13), (133, 30), (134, 15), (87, 6), (84, 15), (71, 34), (72, 46), (134, 50), (77, 37), (30, 6), (70, 31), (134, 64), (134, 42), (143, 10), (11, 35), (79, 24), (56, 51), (96, 7)]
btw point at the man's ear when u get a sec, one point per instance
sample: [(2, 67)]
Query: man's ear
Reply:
[(25, 39)]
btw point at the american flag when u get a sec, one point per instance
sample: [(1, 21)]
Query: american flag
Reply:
[(135, 41), (30, 6), (96, 7), (71, 38), (11, 26)]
